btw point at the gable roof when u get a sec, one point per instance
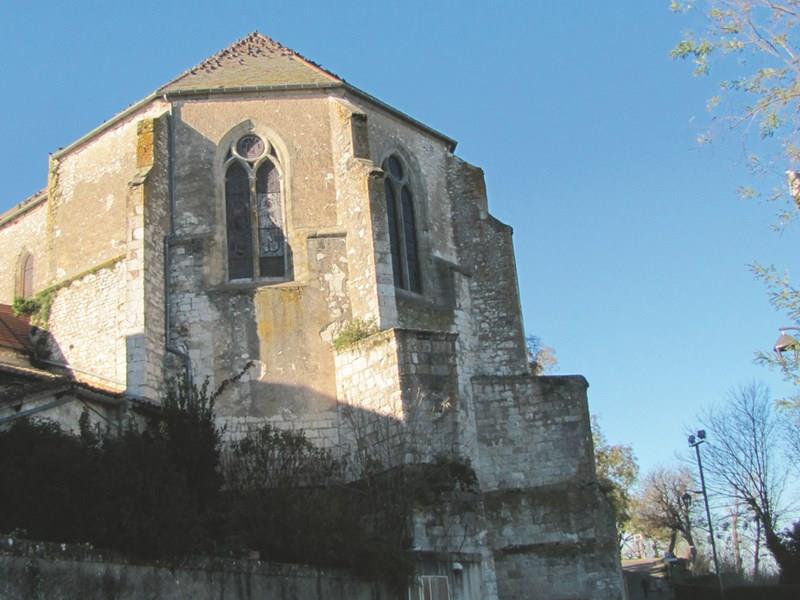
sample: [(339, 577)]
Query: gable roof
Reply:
[(253, 61), (256, 63), (14, 330)]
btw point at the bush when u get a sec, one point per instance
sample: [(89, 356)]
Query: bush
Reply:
[(751, 592), (149, 494), (164, 492), (50, 483)]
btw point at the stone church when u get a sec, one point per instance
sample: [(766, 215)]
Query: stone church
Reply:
[(260, 217)]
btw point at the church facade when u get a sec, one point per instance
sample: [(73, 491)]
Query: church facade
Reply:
[(259, 218)]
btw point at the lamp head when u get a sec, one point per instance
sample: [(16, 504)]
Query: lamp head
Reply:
[(701, 434), (784, 343), (691, 440)]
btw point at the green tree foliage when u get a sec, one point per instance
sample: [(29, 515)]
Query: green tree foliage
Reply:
[(755, 44), (617, 471)]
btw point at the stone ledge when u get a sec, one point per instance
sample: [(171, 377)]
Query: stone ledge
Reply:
[(550, 549), (527, 378)]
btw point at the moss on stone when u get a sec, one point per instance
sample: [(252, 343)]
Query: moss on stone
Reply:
[(38, 307), (353, 332)]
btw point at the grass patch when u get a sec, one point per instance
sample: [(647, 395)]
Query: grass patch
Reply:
[(353, 332)]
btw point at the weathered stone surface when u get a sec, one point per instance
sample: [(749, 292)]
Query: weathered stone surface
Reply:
[(20, 235), (59, 572), (134, 235)]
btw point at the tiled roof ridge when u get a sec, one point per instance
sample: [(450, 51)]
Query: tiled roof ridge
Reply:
[(253, 44)]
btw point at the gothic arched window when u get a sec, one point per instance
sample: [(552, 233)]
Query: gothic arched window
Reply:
[(254, 211), (402, 226), (24, 287)]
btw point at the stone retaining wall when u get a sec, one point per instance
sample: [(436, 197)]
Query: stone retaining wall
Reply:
[(59, 572)]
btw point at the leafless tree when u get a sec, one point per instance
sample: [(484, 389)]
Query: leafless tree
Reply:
[(742, 461), (663, 508)]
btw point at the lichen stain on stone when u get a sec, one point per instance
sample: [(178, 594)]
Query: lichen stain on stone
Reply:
[(277, 309), (145, 132)]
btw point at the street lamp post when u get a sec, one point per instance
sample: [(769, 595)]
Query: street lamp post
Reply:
[(695, 441), (687, 504)]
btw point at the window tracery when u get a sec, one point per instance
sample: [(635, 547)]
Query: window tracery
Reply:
[(254, 211), (402, 225)]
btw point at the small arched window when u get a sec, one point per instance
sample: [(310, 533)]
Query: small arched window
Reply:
[(254, 211), (402, 225), (24, 287)]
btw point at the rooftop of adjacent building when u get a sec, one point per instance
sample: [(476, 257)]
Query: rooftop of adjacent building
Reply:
[(21, 365), (31, 385), (14, 330)]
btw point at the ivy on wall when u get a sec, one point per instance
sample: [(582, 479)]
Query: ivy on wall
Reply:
[(38, 308)]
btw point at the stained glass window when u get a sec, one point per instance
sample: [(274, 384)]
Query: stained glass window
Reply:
[(271, 242), (402, 226), (237, 212), (254, 212)]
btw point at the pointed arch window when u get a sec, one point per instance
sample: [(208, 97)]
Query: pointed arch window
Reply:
[(402, 226), (254, 211), (24, 285)]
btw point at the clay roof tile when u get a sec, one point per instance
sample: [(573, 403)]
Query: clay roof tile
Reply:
[(14, 330), (253, 61)]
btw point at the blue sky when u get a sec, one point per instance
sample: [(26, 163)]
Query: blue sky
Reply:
[(631, 243)]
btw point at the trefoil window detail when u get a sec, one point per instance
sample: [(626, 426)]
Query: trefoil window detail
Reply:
[(254, 211), (402, 226)]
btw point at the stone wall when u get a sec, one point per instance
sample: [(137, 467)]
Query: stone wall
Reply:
[(87, 327), (24, 231), (371, 407), (107, 322), (532, 431), (425, 157), (398, 391), (357, 190), (453, 533), (64, 404), (447, 375), (553, 543), (284, 327), (147, 225), (368, 375), (97, 241), (58, 572), (65, 572), (486, 255), (298, 125), (88, 198), (321, 428), (551, 528)]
